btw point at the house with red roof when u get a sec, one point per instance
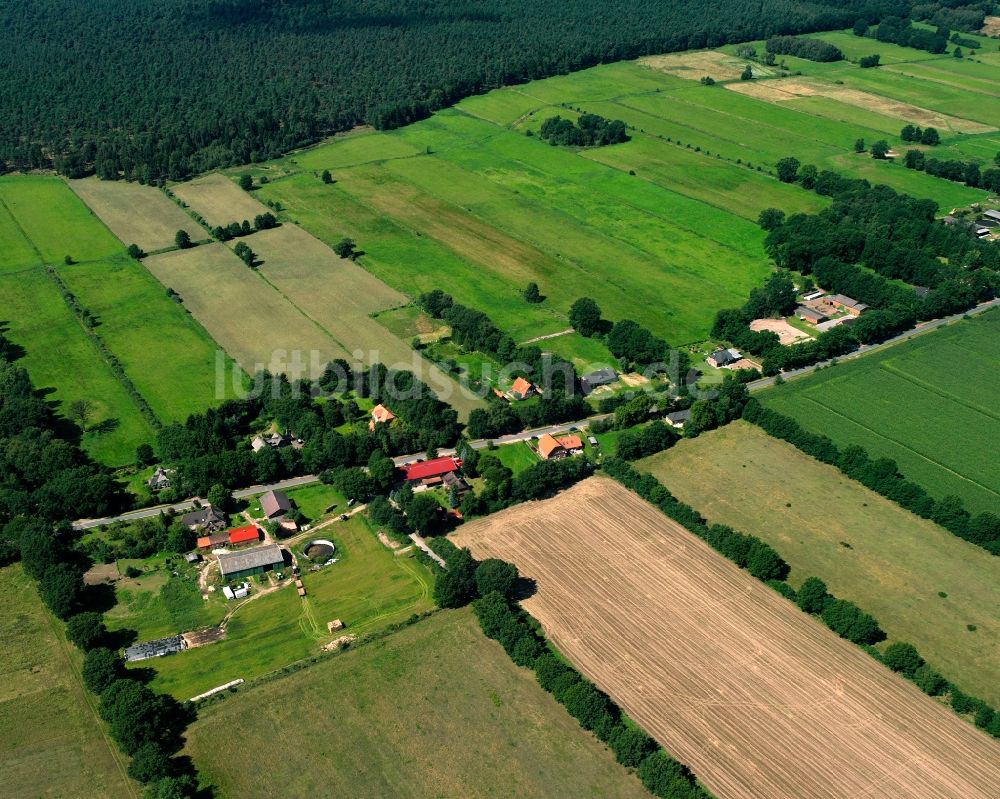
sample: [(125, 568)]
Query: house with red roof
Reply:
[(380, 415), (429, 473), (521, 389), (248, 534)]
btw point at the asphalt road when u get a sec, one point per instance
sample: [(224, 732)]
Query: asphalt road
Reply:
[(527, 435)]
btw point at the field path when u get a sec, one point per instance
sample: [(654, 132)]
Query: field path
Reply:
[(758, 698)]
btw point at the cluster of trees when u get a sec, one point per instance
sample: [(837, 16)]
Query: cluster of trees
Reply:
[(869, 61), (235, 230), (804, 47), (220, 83), (465, 579), (959, 14), (521, 637), (968, 172), (901, 31), (244, 253), (913, 133), (139, 539), (840, 615), (882, 476), (590, 130), (630, 342), (211, 448)]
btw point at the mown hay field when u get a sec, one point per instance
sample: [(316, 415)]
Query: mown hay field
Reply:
[(407, 717), (758, 698), (867, 549), (51, 740), (218, 199), (927, 403), (135, 213)]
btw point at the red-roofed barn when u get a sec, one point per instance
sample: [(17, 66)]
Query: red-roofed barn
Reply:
[(425, 470), (244, 535)]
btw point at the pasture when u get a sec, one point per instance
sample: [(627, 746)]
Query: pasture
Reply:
[(393, 718), (928, 403), (368, 588), (866, 548), (135, 213), (218, 199), (758, 698), (48, 721)]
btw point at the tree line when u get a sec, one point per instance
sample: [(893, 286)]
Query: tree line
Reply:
[(969, 172), (590, 130), (842, 616), (174, 88), (804, 47)]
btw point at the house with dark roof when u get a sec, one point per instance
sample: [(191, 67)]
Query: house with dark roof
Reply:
[(213, 541), (845, 303), (247, 562), (159, 480), (275, 504), (723, 357), (451, 480), (600, 377), (207, 518), (678, 418)]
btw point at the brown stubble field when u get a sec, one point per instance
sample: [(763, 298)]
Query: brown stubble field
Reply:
[(758, 698)]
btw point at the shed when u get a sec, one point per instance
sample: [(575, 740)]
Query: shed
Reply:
[(994, 215), (246, 562), (192, 557), (810, 315), (275, 504)]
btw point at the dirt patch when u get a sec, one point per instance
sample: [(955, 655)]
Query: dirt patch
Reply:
[(758, 698), (202, 637), (696, 65), (101, 573), (387, 542), (743, 363), (991, 26), (785, 332), (633, 379), (785, 89)]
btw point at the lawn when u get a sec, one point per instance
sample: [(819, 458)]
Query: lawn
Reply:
[(407, 717), (368, 588), (51, 742), (867, 549), (926, 403), (516, 457)]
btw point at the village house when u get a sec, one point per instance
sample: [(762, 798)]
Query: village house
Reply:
[(678, 419), (159, 480), (244, 535), (427, 474), (247, 562), (380, 415), (845, 303), (207, 518), (723, 357), (275, 504), (572, 444), (213, 541), (521, 389), (451, 480), (810, 315), (601, 377), (549, 449), (274, 440)]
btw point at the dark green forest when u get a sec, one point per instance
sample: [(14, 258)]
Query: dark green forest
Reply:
[(148, 89)]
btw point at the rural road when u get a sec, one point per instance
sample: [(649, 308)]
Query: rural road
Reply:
[(527, 435)]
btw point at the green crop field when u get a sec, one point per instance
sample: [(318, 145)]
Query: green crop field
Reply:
[(927, 403), (48, 721), (866, 548), (407, 717), (368, 589)]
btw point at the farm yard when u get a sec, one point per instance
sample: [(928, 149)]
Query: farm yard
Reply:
[(48, 722), (927, 403), (388, 719), (755, 696), (867, 549)]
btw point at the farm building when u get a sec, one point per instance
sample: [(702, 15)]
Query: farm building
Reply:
[(550, 449), (275, 504), (810, 315), (451, 480), (154, 649), (572, 444), (723, 357), (244, 535), (592, 441), (815, 294), (236, 565), (207, 518), (522, 389), (678, 418), (159, 480), (993, 216), (601, 377), (430, 472), (380, 415), (192, 557), (212, 541), (845, 303)]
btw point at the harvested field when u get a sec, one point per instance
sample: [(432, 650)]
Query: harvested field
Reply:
[(991, 26), (777, 91), (697, 64), (255, 324), (135, 213), (759, 699), (218, 199), (785, 332)]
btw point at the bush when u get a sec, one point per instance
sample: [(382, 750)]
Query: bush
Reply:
[(902, 658), (929, 681), (850, 622), (812, 595)]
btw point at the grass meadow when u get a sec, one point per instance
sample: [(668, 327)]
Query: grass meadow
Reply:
[(866, 548), (927, 403), (368, 589), (406, 717), (48, 721)]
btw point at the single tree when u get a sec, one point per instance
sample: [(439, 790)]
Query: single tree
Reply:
[(101, 667), (860, 27), (497, 575), (86, 630), (930, 137), (903, 658), (812, 595), (182, 239), (326, 177), (345, 248), (880, 149), (219, 497), (788, 169), (707, 81), (68, 260), (149, 763), (246, 182), (79, 411), (135, 252), (771, 218), (532, 294), (957, 52), (144, 455), (859, 145), (747, 73), (585, 316)]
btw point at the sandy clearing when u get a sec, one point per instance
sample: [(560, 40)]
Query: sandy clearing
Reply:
[(757, 697), (785, 332), (784, 89)]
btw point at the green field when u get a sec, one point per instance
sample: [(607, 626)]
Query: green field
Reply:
[(51, 742), (368, 588), (407, 717), (867, 549), (928, 403)]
